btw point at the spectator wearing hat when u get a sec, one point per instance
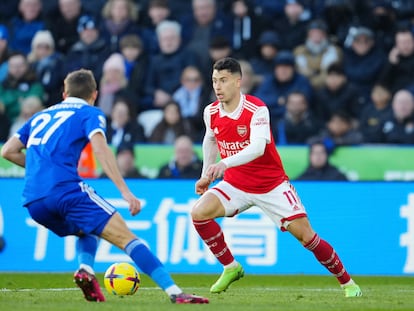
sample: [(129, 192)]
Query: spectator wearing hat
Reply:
[(113, 83), (48, 64), (291, 27), (398, 72), (268, 46), (336, 94), (63, 23), (363, 61), (316, 54), (25, 25), (275, 87), (4, 51), (90, 51)]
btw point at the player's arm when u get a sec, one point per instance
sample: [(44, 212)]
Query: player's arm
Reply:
[(259, 137), (107, 160), (12, 150)]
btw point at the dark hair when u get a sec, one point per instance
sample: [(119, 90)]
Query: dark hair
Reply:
[(80, 83), (229, 64)]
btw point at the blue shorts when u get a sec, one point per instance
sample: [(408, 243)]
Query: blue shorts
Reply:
[(71, 210)]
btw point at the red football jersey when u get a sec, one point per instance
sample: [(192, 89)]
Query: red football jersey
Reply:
[(233, 135)]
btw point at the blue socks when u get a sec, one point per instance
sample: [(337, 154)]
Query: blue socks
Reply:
[(148, 263), (86, 246)]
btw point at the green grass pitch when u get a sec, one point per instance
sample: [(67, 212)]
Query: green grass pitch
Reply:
[(56, 291)]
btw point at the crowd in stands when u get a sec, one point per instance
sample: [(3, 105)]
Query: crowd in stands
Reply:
[(337, 71)]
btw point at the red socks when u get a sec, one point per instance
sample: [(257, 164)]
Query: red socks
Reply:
[(327, 256), (211, 233)]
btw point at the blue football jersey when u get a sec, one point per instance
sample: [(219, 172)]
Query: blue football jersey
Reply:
[(54, 139)]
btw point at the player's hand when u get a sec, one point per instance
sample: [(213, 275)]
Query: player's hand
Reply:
[(216, 171), (201, 185), (134, 203)]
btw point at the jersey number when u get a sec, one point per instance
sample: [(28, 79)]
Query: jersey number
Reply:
[(41, 121)]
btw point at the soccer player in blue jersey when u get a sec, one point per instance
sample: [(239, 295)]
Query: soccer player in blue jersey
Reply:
[(56, 196)]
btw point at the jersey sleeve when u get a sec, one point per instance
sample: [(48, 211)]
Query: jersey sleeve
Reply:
[(24, 132), (260, 125), (95, 122)]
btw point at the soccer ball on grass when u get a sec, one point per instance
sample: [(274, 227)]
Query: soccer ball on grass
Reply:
[(122, 279)]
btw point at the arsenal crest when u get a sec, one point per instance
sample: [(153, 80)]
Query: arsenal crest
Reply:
[(242, 130)]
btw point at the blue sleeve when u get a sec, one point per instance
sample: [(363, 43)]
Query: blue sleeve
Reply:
[(95, 121)]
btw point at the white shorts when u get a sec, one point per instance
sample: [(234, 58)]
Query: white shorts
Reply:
[(282, 204)]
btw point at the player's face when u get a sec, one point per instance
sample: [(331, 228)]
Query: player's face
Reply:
[(226, 85)]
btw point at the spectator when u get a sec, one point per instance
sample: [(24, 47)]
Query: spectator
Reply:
[(399, 69), (166, 67), (120, 18), (192, 96), (158, 11), (339, 15), (206, 21), (63, 23), (4, 52), (136, 66), (125, 158), (90, 52), (47, 65), (113, 83), (268, 43), (171, 125), (363, 61), (246, 28), (122, 125), (24, 25), (383, 22), (249, 80), (8, 9), (185, 164), (298, 123), (399, 127), (20, 83), (337, 94), (219, 47), (316, 54), (319, 167), (340, 131), (30, 105), (275, 88), (291, 27), (4, 125), (374, 115)]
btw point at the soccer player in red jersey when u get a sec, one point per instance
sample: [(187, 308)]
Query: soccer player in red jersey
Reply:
[(238, 127)]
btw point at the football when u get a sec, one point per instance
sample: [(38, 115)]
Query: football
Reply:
[(122, 279)]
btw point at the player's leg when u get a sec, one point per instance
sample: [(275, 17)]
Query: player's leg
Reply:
[(117, 233), (206, 209), (301, 229)]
